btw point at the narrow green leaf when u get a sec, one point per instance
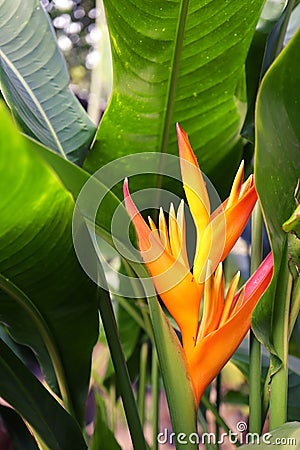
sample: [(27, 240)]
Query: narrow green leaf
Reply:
[(129, 334), (35, 81), (21, 437), (27, 395)]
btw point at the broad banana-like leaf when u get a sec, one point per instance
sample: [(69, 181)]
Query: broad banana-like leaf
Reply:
[(35, 81), (46, 300), (180, 61)]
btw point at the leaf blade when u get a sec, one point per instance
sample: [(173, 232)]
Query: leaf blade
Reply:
[(277, 161), (154, 80)]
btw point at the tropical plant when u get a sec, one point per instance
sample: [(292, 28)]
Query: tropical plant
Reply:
[(220, 70)]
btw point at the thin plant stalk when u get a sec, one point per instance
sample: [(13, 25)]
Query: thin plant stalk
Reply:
[(155, 398), (255, 394), (112, 398), (204, 427), (143, 381), (121, 370), (220, 421), (218, 404)]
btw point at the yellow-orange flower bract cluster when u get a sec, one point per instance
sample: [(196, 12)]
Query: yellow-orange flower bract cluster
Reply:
[(209, 341)]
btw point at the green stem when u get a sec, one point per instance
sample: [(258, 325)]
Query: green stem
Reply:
[(218, 404), (204, 428), (255, 412), (118, 359), (280, 332), (143, 381), (112, 398), (155, 398), (255, 394), (256, 238)]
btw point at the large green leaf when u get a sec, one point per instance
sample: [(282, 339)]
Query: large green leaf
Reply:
[(32, 400), (179, 61), (46, 299), (277, 168), (35, 81), (74, 178)]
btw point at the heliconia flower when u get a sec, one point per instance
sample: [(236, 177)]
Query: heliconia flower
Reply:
[(163, 249)]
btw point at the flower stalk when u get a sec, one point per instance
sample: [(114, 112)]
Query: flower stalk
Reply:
[(255, 394)]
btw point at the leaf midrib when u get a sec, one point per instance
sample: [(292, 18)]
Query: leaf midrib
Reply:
[(170, 98)]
